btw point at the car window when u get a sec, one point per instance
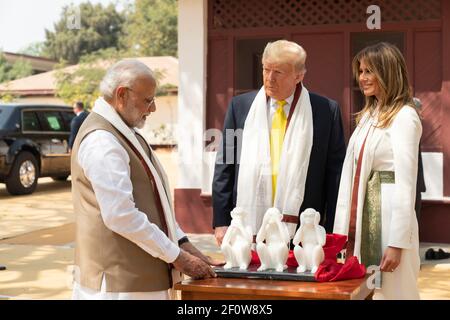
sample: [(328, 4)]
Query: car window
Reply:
[(30, 122), (53, 121), (68, 116), (5, 118)]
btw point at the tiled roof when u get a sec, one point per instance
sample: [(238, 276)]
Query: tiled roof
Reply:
[(45, 83)]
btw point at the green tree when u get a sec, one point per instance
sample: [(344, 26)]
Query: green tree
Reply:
[(6, 97), (9, 72), (82, 30), (35, 49), (4, 68), (19, 69), (82, 84), (151, 28)]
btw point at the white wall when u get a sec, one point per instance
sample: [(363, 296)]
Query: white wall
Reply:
[(166, 115), (192, 28), (433, 169)]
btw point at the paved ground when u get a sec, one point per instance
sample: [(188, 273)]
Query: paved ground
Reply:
[(36, 245)]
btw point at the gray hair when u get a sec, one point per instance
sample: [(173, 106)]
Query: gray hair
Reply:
[(123, 73), (283, 51)]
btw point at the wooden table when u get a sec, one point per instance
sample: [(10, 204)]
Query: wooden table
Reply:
[(233, 289)]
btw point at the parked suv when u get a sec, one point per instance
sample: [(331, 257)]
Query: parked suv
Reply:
[(33, 144)]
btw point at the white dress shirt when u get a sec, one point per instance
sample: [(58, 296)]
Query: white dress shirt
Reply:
[(106, 165)]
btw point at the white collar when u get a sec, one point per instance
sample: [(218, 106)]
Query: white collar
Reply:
[(273, 102), (107, 111)]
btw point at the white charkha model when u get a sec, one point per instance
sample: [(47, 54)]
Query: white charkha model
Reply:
[(312, 236), (237, 242), (274, 252)]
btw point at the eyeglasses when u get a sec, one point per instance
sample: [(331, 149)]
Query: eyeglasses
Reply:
[(149, 102)]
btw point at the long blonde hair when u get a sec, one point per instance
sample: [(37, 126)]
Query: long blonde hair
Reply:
[(386, 62)]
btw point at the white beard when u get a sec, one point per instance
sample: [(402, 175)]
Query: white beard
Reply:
[(141, 123), (134, 114)]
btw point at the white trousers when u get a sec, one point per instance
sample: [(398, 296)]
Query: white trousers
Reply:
[(81, 293)]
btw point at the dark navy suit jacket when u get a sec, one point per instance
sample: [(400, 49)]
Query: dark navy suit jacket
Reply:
[(75, 125), (325, 164)]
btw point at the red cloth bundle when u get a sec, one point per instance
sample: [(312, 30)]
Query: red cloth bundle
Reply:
[(329, 269)]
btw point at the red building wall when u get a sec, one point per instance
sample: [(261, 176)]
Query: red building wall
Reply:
[(328, 42)]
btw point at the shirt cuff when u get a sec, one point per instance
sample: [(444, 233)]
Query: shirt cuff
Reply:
[(179, 233), (172, 254)]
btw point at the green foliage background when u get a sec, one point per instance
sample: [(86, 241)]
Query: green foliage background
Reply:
[(143, 28), (9, 71), (99, 28)]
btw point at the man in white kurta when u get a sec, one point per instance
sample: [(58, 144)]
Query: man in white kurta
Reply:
[(103, 167)]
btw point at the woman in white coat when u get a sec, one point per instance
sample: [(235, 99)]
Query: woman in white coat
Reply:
[(377, 192)]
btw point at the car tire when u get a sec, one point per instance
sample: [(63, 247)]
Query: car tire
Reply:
[(24, 174), (60, 178)]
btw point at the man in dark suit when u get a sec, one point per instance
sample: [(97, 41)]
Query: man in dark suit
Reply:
[(75, 124), (283, 72)]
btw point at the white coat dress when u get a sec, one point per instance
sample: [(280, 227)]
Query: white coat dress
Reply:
[(390, 149)]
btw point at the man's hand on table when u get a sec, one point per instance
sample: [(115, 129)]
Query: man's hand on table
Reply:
[(193, 266)]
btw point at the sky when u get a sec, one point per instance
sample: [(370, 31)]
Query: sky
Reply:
[(23, 22)]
